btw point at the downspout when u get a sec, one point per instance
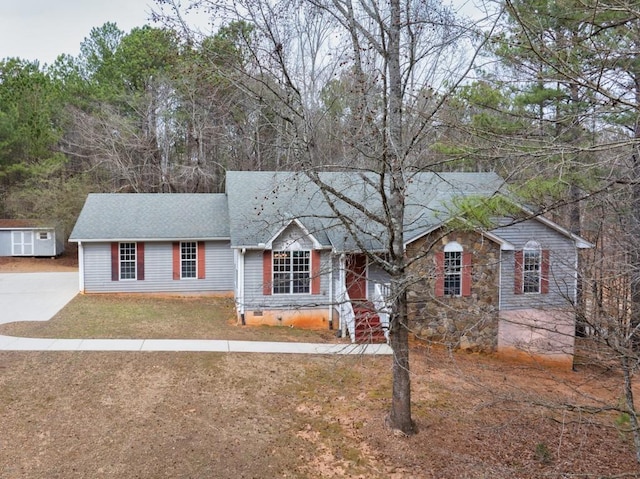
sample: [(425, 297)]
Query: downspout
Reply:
[(241, 285), (80, 267), (500, 284), (576, 275), (331, 290), (343, 285)]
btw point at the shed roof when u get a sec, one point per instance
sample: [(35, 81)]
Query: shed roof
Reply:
[(7, 224), (152, 216)]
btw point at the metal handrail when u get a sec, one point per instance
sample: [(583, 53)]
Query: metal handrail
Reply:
[(381, 293), (347, 314)]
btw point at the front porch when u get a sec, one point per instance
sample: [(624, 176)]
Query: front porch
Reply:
[(361, 302)]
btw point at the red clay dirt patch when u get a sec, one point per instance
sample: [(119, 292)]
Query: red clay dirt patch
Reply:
[(68, 261)]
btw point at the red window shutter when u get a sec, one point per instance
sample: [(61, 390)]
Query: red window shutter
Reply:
[(315, 271), (140, 261), (201, 262), (439, 274), (266, 272), (467, 260), (544, 272), (176, 260), (517, 273), (115, 261)]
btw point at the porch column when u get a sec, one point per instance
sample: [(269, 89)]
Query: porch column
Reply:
[(341, 297), (240, 279), (80, 267)]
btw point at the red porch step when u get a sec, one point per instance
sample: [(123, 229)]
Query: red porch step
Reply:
[(368, 327)]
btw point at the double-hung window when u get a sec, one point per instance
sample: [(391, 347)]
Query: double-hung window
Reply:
[(453, 269), (188, 259), (531, 267), (291, 272), (127, 257)]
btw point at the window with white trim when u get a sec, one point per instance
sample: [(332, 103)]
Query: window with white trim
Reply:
[(127, 261), (43, 235), (453, 269), (291, 272), (188, 259), (531, 267)]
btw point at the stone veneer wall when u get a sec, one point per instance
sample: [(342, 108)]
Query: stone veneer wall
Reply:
[(468, 323)]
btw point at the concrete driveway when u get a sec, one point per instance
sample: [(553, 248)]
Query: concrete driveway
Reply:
[(35, 296), (39, 296)]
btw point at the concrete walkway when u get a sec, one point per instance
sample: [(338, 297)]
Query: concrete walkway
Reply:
[(10, 343)]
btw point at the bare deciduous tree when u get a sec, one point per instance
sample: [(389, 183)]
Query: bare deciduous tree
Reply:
[(395, 63), (587, 52)]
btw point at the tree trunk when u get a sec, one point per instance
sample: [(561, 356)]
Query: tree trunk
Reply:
[(634, 229), (631, 410), (400, 415)]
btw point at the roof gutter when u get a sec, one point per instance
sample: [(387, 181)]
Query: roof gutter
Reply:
[(146, 240), (264, 246)]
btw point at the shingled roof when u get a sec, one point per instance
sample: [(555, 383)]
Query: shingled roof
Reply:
[(262, 203), (8, 224), (149, 216)]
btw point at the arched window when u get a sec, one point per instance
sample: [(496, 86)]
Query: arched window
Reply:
[(531, 267), (531, 272), (453, 269)]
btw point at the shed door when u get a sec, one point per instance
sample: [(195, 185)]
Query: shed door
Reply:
[(22, 243)]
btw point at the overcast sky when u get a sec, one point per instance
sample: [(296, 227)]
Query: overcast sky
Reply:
[(43, 29)]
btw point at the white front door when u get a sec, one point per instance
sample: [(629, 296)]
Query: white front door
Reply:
[(22, 243)]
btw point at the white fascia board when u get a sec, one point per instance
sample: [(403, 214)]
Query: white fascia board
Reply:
[(372, 251), (423, 234), (29, 228), (316, 243), (267, 247), (581, 243), (504, 245)]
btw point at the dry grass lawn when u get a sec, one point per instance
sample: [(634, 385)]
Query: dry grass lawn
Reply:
[(210, 415), (155, 317)]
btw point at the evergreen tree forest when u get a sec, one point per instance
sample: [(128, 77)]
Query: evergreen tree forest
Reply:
[(548, 98)]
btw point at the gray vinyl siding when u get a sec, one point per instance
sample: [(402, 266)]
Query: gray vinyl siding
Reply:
[(5, 243), (562, 261), (255, 300), (59, 241), (375, 275), (158, 270), (48, 247)]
